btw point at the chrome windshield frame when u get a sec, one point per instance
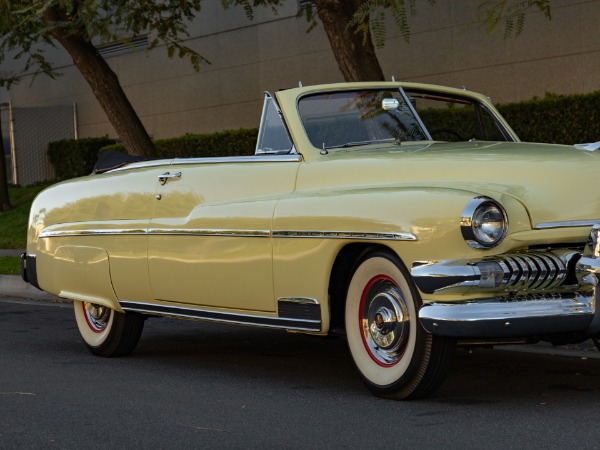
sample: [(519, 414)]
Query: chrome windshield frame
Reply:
[(415, 113)]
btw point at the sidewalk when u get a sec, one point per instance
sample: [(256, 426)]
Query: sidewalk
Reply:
[(14, 286), (11, 252)]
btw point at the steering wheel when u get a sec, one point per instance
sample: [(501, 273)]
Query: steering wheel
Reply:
[(447, 131)]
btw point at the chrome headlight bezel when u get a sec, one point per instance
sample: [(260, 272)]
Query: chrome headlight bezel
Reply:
[(470, 225)]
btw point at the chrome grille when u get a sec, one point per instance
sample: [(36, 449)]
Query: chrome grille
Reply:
[(531, 271)]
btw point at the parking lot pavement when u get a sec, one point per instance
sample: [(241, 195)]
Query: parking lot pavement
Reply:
[(13, 287)]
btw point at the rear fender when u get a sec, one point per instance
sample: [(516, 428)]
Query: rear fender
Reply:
[(77, 273)]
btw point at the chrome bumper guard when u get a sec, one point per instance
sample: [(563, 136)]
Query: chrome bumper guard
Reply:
[(550, 293)]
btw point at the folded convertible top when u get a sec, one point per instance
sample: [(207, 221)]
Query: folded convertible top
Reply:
[(112, 159)]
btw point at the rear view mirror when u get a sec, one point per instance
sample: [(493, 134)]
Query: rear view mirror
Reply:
[(390, 104)]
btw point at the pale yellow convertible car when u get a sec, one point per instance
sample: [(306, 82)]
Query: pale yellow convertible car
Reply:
[(408, 217)]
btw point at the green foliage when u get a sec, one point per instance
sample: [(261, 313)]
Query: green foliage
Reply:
[(492, 13), (554, 119), (74, 158), (28, 23), (249, 6), (25, 24), (13, 223), (224, 143), (10, 265), (308, 10), (369, 18), (557, 119)]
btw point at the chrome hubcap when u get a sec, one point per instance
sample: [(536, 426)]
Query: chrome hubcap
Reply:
[(97, 316), (385, 321)]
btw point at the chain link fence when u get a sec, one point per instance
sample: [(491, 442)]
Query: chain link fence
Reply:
[(30, 129)]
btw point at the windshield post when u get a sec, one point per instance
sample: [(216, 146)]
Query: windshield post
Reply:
[(414, 112)]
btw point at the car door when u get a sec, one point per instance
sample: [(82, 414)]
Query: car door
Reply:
[(210, 236)]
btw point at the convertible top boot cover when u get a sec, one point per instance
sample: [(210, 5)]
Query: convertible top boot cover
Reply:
[(111, 159)]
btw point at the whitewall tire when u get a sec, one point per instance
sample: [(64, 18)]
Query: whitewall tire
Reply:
[(106, 332), (395, 357)]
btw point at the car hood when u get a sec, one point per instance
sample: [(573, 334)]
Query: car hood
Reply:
[(554, 182)]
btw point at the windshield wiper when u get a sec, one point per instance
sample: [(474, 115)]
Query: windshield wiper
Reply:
[(359, 143)]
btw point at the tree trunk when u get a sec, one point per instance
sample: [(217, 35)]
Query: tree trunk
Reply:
[(356, 61), (104, 83), (4, 198)]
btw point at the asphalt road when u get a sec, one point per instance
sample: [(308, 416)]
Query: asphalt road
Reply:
[(193, 385)]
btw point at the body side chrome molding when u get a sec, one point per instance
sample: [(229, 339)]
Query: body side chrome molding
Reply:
[(280, 234), (207, 232), (396, 236), (292, 157), (46, 233), (303, 300), (286, 323), (263, 157)]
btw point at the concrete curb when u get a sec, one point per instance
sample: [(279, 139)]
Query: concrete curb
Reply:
[(14, 286)]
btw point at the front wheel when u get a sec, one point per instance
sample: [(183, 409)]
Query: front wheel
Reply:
[(395, 357), (106, 332)]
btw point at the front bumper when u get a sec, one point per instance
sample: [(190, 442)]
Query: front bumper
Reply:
[(530, 294), (498, 318)]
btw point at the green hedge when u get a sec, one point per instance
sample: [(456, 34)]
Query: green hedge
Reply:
[(557, 119), (75, 158), (222, 143)]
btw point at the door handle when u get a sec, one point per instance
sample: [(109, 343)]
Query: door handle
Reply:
[(165, 176)]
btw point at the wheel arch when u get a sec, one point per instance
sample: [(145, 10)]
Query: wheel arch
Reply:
[(343, 267)]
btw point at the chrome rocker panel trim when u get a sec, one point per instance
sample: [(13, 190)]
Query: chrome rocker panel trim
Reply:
[(287, 323)]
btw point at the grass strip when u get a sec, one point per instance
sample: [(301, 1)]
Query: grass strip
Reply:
[(13, 223), (10, 265)]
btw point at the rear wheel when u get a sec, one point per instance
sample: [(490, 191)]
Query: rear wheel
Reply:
[(106, 332), (395, 357)]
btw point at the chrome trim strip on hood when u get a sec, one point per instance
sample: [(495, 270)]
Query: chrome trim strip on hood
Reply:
[(566, 224)]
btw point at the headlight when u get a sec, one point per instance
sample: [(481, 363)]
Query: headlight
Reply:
[(483, 223)]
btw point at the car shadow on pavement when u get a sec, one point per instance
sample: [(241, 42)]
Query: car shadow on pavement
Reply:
[(482, 375)]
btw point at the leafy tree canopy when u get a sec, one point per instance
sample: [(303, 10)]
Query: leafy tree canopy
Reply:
[(369, 18), (25, 24)]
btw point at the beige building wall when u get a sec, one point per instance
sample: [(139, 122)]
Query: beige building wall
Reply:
[(274, 51)]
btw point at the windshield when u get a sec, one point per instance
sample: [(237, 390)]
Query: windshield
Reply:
[(456, 118), (348, 118), (352, 118)]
